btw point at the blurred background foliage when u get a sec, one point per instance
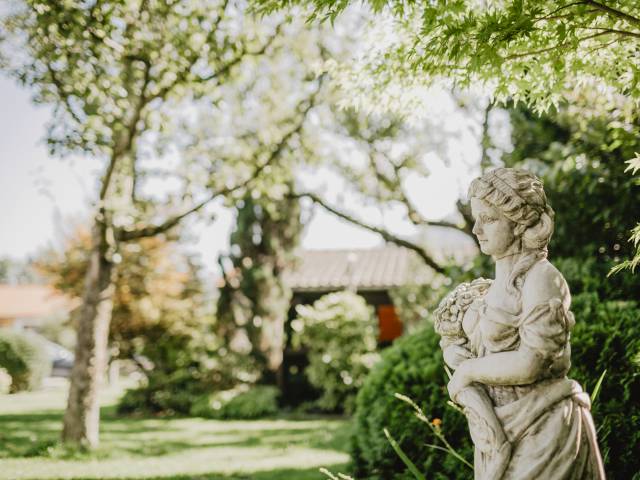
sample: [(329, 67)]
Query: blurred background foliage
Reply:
[(213, 350), (24, 358), (157, 284), (413, 366), (580, 153), (339, 334)]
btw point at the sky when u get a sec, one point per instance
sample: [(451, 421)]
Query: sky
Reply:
[(42, 198)]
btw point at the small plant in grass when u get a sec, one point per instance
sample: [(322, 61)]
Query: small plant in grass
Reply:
[(435, 427), (336, 476), (403, 456)]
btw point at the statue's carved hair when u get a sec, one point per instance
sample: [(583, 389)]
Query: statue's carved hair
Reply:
[(520, 196)]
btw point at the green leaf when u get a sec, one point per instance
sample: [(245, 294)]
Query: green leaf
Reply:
[(634, 164), (403, 456), (596, 390)]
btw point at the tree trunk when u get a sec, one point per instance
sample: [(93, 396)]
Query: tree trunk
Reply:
[(273, 300), (82, 417)]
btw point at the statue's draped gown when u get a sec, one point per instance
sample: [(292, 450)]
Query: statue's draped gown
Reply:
[(548, 423)]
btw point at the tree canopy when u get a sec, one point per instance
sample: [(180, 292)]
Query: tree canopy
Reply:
[(523, 50), (128, 82), (540, 53)]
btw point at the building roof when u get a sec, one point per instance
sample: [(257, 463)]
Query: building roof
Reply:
[(370, 269), (29, 301)]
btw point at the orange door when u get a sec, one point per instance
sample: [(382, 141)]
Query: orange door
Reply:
[(389, 324)]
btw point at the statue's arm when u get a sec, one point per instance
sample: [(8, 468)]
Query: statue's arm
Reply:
[(518, 367), (524, 365)]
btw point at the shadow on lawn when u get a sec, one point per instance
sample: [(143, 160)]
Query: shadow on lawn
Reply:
[(38, 435), (29, 435), (277, 474)]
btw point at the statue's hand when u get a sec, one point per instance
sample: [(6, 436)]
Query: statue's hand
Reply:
[(454, 355), (461, 378)]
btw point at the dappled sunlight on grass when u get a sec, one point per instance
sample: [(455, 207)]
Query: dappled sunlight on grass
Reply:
[(53, 398), (185, 448), (193, 461)]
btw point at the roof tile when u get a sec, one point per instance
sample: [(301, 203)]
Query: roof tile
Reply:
[(370, 269)]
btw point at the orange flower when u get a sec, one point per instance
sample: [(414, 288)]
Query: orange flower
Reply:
[(436, 422)]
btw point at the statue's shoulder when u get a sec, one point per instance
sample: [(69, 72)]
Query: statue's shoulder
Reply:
[(542, 283)]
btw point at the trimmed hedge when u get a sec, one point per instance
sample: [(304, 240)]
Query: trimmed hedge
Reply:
[(256, 402), (413, 366), (606, 337), (25, 359)]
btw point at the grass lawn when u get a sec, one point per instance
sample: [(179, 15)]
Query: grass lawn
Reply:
[(187, 448)]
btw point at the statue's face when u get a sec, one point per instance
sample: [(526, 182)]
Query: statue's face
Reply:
[(494, 231)]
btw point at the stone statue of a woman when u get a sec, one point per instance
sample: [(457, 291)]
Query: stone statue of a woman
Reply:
[(508, 341)]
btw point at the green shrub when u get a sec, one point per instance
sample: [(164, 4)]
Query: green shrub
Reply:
[(589, 275), (165, 393), (413, 366), (25, 359), (188, 364), (339, 333), (241, 403), (607, 337)]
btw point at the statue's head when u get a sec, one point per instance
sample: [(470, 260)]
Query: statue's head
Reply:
[(511, 212)]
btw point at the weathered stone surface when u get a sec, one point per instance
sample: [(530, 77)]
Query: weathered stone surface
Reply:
[(508, 341)]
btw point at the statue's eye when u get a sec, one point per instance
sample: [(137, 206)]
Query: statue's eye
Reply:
[(486, 219)]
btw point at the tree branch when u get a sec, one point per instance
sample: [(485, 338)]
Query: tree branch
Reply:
[(132, 131), (623, 33), (134, 178), (106, 180), (243, 53), (554, 47), (63, 95), (612, 11), (412, 212), (468, 221), (151, 230), (143, 100), (602, 46), (182, 74), (553, 15), (559, 9), (386, 235), (564, 16)]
